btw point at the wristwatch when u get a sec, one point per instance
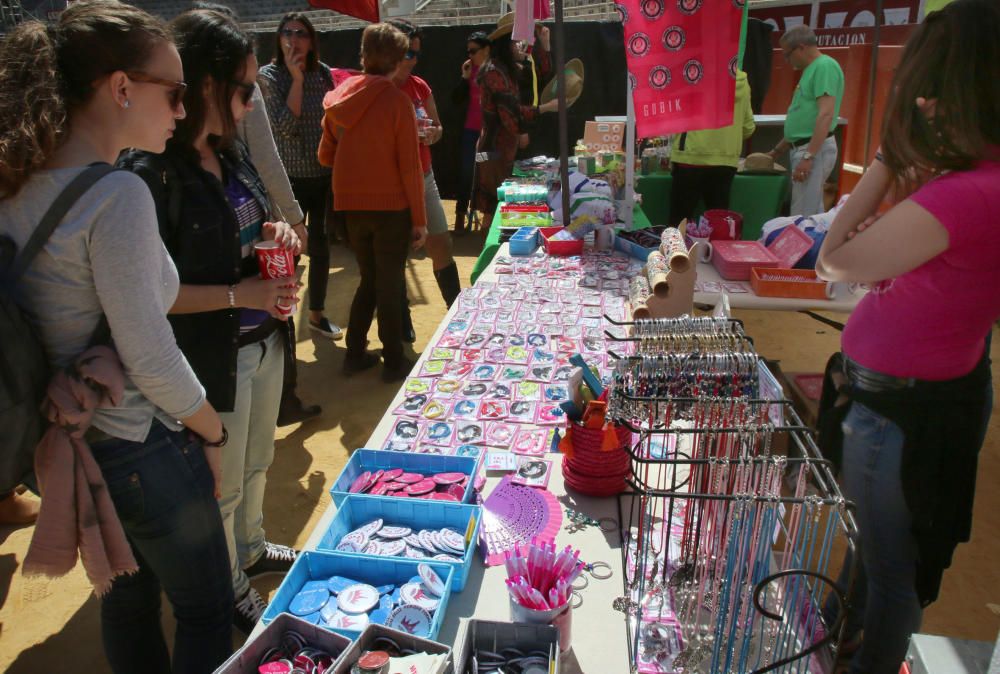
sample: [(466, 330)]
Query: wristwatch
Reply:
[(807, 155)]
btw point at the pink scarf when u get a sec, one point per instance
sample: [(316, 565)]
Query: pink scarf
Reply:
[(77, 513)]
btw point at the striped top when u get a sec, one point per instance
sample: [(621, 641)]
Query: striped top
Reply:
[(297, 138), (250, 217)]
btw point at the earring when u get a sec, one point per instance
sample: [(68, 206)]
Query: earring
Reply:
[(126, 104)]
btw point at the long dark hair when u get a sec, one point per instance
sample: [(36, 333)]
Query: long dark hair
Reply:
[(953, 57), (211, 46), (502, 54), (312, 58), (48, 72)]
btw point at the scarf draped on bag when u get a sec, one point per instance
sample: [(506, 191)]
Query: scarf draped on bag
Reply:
[(77, 514)]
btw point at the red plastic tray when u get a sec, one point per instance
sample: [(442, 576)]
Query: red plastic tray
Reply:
[(560, 248), (791, 246), (734, 259)]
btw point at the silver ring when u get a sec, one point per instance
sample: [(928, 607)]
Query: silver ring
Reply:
[(600, 565), (586, 582), (613, 524), (577, 595)]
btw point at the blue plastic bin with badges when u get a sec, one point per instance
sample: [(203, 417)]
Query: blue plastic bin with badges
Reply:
[(355, 512), (524, 241), (374, 460), (354, 606)]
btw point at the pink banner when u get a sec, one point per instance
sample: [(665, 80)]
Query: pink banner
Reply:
[(681, 57)]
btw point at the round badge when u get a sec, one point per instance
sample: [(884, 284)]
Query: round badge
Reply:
[(432, 581), (361, 483), (358, 538), (373, 660), (689, 6), (381, 489), (415, 594), (378, 616), (336, 584), (353, 623), (371, 528), (393, 548), (385, 589), (414, 553), (443, 496), (348, 546), (638, 44), (358, 598), (422, 487), (308, 601), (329, 611), (409, 478), (693, 71), (448, 478), (456, 490), (452, 539), (426, 542), (377, 475), (392, 486), (391, 474), (314, 585), (445, 558), (410, 619), (622, 12), (375, 548), (395, 532)]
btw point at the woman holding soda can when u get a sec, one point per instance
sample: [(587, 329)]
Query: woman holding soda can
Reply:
[(213, 212)]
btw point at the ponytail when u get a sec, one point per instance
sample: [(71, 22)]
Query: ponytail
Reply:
[(46, 74)]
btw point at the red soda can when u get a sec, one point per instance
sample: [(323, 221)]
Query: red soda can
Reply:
[(275, 262)]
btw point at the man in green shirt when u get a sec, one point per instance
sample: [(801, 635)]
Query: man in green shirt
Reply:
[(811, 119)]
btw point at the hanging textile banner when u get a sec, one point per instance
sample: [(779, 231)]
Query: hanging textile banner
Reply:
[(682, 57), (366, 10)]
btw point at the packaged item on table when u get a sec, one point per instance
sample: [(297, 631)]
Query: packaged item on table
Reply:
[(418, 385), (499, 434), (549, 414), (500, 460), (469, 432), (474, 390), (436, 410), (457, 369), (532, 472), (439, 433), (411, 405), (513, 373), (471, 355), (531, 391), (532, 441), (522, 412), (499, 391), (482, 372), (446, 387), (432, 368), (492, 410), (466, 409)]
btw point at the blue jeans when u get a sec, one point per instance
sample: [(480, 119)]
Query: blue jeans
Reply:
[(163, 492), (885, 603)]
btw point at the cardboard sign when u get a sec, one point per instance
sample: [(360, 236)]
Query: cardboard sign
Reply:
[(604, 136)]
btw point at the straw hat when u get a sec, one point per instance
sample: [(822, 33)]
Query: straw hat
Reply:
[(760, 162), (574, 84), (505, 26)]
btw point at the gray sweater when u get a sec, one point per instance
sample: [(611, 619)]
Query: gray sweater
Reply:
[(107, 255)]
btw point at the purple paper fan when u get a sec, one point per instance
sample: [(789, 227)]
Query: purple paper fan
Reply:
[(515, 514)]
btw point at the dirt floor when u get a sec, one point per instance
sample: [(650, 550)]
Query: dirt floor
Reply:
[(54, 625)]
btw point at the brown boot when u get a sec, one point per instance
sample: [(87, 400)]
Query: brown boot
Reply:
[(18, 510)]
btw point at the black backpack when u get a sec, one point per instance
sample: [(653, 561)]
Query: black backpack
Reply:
[(24, 366)]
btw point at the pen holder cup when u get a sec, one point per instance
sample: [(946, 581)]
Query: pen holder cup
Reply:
[(561, 618)]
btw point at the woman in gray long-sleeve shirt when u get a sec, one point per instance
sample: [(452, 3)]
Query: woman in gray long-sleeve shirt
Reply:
[(294, 85), (118, 84)]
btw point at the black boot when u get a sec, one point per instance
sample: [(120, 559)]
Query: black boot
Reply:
[(448, 282), (409, 334), (459, 223)]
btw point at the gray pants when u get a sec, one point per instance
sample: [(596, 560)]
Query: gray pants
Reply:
[(807, 196), (249, 452)]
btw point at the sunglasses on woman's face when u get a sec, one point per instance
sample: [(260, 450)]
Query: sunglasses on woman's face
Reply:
[(246, 90), (175, 89), (412, 54), (473, 52), (294, 32)]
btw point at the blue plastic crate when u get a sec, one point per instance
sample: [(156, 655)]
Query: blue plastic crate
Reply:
[(428, 464), (357, 510), (374, 571), (524, 241)]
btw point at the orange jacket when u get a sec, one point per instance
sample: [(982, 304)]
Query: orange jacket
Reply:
[(370, 140)]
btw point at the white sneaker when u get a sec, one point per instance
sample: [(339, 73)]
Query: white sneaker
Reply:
[(326, 328)]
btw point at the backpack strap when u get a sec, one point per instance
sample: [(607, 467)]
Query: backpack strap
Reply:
[(57, 211)]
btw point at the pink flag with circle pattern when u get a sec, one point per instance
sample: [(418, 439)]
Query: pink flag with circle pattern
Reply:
[(681, 57)]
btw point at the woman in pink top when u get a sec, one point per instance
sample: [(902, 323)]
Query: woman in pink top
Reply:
[(915, 351), (477, 48)]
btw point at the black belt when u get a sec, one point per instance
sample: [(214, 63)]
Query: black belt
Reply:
[(805, 141), (861, 377)]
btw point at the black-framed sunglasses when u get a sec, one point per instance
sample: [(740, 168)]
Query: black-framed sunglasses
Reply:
[(294, 32), (473, 52), (246, 90), (175, 88), (412, 54)]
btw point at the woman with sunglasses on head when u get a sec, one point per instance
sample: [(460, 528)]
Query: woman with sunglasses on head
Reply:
[(105, 77), (213, 209), (505, 118), (466, 96), (294, 85), (914, 352), (429, 130)]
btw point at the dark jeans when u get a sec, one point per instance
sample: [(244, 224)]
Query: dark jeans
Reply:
[(468, 164), (380, 241), (314, 196), (692, 184), (163, 492)]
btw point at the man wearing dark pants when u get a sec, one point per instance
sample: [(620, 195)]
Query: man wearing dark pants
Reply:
[(704, 162), (811, 119)]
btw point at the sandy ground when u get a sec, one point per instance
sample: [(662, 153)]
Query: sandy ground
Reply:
[(54, 625)]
